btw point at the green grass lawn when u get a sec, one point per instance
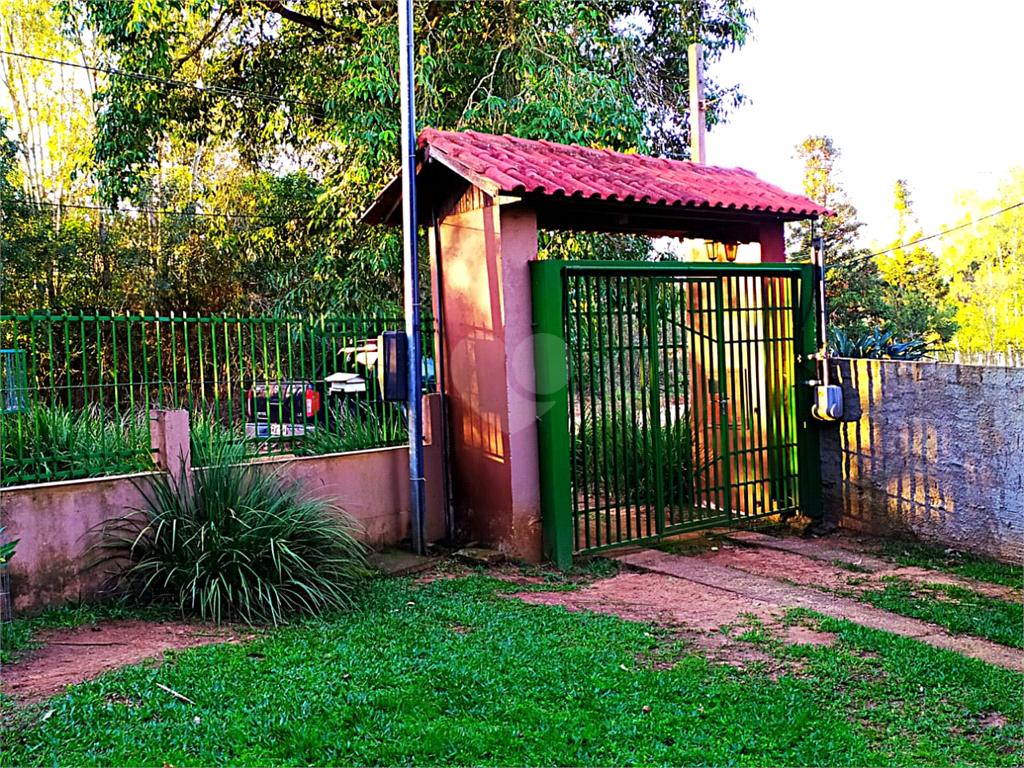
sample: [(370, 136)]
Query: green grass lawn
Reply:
[(959, 610), (961, 563), (455, 673)]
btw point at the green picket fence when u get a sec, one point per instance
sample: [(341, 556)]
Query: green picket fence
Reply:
[(76, 390)]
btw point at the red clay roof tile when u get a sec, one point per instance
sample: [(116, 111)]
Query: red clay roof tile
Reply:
[(516, 166), (522, 166)]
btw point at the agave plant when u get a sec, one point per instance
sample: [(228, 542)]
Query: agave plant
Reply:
[(234, 540), (879, 345)]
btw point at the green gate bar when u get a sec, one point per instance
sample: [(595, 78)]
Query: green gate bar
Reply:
[(671, 397), (547, 282)]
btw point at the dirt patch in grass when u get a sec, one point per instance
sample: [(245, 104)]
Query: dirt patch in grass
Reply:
[(928, 576), (714, 621), (822, 574), (992, 720), (798, 635), (727, 648), (72, 655), (657, 599), (782, 565)]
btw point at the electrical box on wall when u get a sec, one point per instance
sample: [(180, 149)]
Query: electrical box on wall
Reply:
[(393, 365), (828, 402)]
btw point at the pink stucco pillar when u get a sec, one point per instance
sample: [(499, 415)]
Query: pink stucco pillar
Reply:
[(773, 241), (484, 283), (169, 437)]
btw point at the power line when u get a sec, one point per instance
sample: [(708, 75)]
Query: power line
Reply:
[(944, 232), (220, 90), (80, 206), (215, 89)]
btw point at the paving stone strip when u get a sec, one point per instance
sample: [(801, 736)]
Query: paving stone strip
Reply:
[(811, 548), (762, 588), (818, 549)]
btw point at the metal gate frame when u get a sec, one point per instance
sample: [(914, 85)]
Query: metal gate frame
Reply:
[(549, 281)]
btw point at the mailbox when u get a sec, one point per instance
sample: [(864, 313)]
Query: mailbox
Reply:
[(393, 365)]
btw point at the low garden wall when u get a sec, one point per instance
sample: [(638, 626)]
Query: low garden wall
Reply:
[(56, 522), (933, 451)]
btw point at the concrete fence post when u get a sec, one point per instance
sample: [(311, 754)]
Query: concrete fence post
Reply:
[(169, 435)]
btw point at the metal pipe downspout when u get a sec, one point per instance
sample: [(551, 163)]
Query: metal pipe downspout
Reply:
[(417, 486), (818, 257)]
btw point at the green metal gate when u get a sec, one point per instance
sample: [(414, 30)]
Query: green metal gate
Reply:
[(671, 397)]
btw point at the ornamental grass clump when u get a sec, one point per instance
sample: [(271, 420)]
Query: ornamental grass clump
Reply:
[(55, 442), (214, 443), (235, 541)]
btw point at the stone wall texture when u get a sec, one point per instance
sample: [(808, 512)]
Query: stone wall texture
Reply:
[(932, 451)]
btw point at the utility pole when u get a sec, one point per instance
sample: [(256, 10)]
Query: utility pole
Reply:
[(695, 58), (411, 264)]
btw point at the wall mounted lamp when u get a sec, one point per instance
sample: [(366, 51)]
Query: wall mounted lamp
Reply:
[(717, 250)]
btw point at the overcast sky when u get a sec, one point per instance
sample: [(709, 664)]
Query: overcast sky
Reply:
[(928, 91)]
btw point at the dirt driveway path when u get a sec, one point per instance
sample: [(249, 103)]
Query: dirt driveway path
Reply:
[(824, 559), (72, 655), (752, 577)]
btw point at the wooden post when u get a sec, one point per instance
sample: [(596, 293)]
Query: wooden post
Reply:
[(695, 57)]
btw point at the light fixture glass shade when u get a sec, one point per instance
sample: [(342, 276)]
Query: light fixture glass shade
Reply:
[(730, 251), (712, 248)]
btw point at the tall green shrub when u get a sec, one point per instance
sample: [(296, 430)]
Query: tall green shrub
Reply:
[(618, 456), (52, 442), (354, 431), (213, 443)]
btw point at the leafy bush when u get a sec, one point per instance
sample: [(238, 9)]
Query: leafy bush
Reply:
[(52, 442), (879, 345), (234, 540)]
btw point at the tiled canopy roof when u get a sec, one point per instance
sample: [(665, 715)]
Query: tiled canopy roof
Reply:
[(561, 172), (521, 166)]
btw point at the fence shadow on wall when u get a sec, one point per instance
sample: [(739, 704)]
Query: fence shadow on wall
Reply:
[(929, 450)]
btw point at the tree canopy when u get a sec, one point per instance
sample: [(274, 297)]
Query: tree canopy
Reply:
[(853, 286), (900, 292), (915, 287), (288, 113), (984, 262)]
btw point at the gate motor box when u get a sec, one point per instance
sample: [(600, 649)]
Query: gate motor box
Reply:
[(828, 402)]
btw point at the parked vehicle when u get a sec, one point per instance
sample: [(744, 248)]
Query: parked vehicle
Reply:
[(288, 408), (282, 408)]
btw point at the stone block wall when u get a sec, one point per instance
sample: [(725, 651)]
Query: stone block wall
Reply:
[(932, 451)]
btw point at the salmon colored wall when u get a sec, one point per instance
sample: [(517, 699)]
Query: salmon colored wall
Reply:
[(489, 375), (773, 242), (55, 521)]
